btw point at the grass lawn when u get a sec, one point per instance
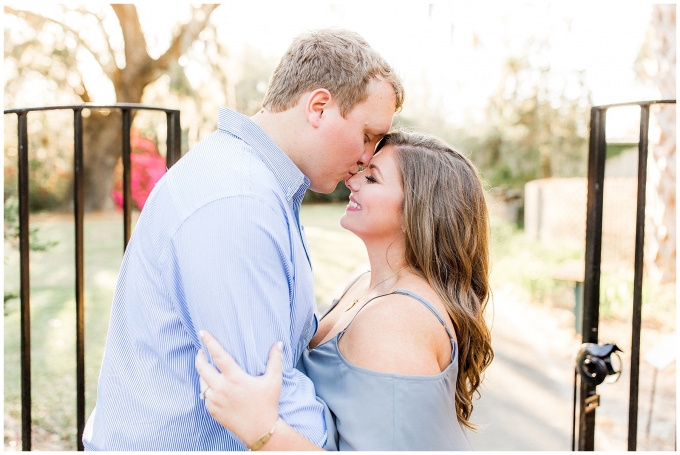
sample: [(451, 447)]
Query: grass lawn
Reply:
[(336, 253)]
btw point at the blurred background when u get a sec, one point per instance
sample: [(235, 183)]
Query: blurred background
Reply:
[(508, 83)]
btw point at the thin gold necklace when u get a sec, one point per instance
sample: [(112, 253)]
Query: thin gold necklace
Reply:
[(365, 293)]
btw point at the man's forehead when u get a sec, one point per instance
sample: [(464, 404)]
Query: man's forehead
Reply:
[(378, 126)]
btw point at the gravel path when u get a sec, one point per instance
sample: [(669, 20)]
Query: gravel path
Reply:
[(527, 397)]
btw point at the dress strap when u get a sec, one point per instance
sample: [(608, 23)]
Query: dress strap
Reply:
[(427, 304), (410, 294), (429, 307), (335, 301), (342, 332)]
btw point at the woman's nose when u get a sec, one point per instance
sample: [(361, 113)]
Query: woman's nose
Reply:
[(353, 182)]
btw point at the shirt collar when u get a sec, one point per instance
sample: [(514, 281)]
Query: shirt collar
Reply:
[(291, 179)]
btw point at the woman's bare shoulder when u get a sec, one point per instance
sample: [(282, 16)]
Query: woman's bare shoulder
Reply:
[(397, 334)]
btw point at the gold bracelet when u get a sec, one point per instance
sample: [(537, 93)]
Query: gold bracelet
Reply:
[(257, 445)]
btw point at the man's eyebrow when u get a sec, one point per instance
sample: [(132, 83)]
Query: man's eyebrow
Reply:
[(377, 130), (373, 166)]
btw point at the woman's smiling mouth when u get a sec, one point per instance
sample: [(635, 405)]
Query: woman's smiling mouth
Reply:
[(353, 205)]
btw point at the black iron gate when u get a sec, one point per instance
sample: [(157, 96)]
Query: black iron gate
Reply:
[(592, 362), (173, 154)]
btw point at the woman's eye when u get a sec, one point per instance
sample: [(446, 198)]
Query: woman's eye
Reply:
[(371, 179)]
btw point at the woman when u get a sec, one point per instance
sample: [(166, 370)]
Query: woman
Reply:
[(399, 356)]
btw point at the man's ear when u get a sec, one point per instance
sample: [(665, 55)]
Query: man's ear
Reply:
[(317, 102)]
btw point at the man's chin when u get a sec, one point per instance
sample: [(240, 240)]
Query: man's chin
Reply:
[(324, 188)]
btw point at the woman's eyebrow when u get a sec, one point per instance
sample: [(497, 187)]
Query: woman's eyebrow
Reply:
[(373, 166)]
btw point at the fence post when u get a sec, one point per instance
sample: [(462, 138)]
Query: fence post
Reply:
[(591, 289), (174, 153), (174, 139), (78, 212), (25, 284), (127, 181), (637, 280)]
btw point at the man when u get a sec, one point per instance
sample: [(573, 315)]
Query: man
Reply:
[(219, 246)]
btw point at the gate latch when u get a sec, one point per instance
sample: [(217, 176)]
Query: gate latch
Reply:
[(594, 363), (592, 402)]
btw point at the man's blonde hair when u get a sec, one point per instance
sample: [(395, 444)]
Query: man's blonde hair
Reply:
[(338, 60)]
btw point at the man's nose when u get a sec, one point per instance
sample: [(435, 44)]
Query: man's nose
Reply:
[(366, 157)]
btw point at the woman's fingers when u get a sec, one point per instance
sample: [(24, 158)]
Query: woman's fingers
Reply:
[(223, 360), (242, 403), (230, 370), (202, 385), (274, 369), (206, 371)]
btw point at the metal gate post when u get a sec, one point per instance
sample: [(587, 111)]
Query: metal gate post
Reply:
[(597, 155), (25, 284), (637, 280), (174, 145), (127, 179), (78, 214), (591, 290)]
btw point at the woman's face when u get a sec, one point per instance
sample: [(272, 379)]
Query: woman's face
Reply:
[(375, 207)]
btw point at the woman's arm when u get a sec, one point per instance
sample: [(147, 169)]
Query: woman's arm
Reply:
[(247, 405)]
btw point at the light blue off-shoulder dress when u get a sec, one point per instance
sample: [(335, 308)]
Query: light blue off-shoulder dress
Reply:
[(370, 410)]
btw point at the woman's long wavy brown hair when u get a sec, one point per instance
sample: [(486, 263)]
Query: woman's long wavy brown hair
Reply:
[(447, 243)]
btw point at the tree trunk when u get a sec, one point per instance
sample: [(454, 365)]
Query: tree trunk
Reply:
[(102, 134), (661, 241), (102, 148), (662, 238)]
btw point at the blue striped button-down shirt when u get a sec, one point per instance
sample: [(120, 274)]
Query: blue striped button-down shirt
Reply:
[(218, 247)]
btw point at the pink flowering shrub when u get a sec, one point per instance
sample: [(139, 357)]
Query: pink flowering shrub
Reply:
[(148, 166)]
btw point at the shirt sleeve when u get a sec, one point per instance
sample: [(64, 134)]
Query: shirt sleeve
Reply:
[(234, 260)]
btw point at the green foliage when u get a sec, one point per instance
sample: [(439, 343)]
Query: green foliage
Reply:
[(255, 69), (527, 266), (616, 149), (339, 194), (50, 158), (35, 242), (535, 125), (12, 229)]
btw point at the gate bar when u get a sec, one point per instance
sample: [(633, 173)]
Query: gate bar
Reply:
[(591, 290), (78, 212), (591, 286), (174, 139), (25, 295), (637, 280), (127, 182), (174, 144)]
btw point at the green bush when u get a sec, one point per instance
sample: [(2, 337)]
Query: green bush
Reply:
[(339, 194), (528, 266), (36, 243)]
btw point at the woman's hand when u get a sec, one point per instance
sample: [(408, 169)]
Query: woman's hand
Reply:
[(246, 405)]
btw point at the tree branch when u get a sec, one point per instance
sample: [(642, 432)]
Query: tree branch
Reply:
[(186, 35), (136, 53), (37, 21), (112, 54)]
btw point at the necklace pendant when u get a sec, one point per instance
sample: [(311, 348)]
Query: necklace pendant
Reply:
[(352, 305)]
